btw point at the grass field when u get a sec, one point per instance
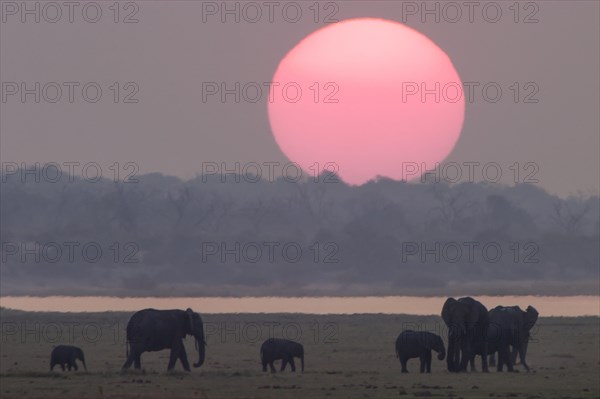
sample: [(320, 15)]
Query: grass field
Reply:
[(346, 357)]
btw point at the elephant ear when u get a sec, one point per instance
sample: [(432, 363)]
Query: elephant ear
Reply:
[(425, 340), (447, 308), (531, 316), (450, 301), (190, 315)]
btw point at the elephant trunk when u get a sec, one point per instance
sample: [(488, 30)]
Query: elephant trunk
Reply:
[(454, 355), (200, 345), (302, 361), (455, 334), (83, 362), (456, 339), (450, 358), (441, 353)]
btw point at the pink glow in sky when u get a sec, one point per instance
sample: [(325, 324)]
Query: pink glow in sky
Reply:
[(380, 122)]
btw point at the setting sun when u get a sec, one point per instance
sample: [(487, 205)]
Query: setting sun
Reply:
[(377, 97)]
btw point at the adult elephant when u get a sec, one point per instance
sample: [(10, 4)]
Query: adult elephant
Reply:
[(467, 321), (152, 330), (510, 328)]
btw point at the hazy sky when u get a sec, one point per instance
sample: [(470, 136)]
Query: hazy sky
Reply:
[(171, 51)]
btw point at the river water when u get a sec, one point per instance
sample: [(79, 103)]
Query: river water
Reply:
[(546, 305)]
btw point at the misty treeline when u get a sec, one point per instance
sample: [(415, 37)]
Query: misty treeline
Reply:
[(202, 237)]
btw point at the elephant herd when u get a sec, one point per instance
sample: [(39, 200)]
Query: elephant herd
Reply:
[(472, 331)]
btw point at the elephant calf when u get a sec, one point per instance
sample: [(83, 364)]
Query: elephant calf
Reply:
[(66, 355), (281, 349), (411, 344)]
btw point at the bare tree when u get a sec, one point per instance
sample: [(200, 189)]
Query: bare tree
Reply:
[(180, 203), (124, 204), (453, 206), (314, 201), (206, 208), (568, 214)]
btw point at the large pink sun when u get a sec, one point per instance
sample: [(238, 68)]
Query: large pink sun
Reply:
[(370, 96)]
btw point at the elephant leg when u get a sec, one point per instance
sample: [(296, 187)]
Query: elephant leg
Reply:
[(272, 366), (515, 351), (403, 361), (173, 357), (509, 359), (472, 363), (284, 363), (75, 366), (423, 361), (184, 360), (509, 364), (492, 360), (484, 356), (62, 366), (183, 356), (428, 362), (264, 364), (292, 365), (502, 357), (137, 361), (128, 362), (500, 363), (523, 354), (69, 366), (466, 356)]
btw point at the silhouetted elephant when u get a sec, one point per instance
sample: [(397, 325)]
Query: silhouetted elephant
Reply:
[(510, 327), (152, 330), (467, 321), (276, 348), (411, 344), (66, 355)]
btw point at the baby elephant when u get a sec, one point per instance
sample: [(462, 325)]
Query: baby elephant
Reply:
[(411, 344), (275, 348), (66, 355)]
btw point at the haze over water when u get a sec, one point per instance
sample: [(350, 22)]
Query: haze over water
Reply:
[(547, 305)]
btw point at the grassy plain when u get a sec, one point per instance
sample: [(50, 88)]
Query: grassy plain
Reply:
[(347, 356)]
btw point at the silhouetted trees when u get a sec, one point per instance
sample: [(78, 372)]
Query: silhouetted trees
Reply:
[(166, 236)]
